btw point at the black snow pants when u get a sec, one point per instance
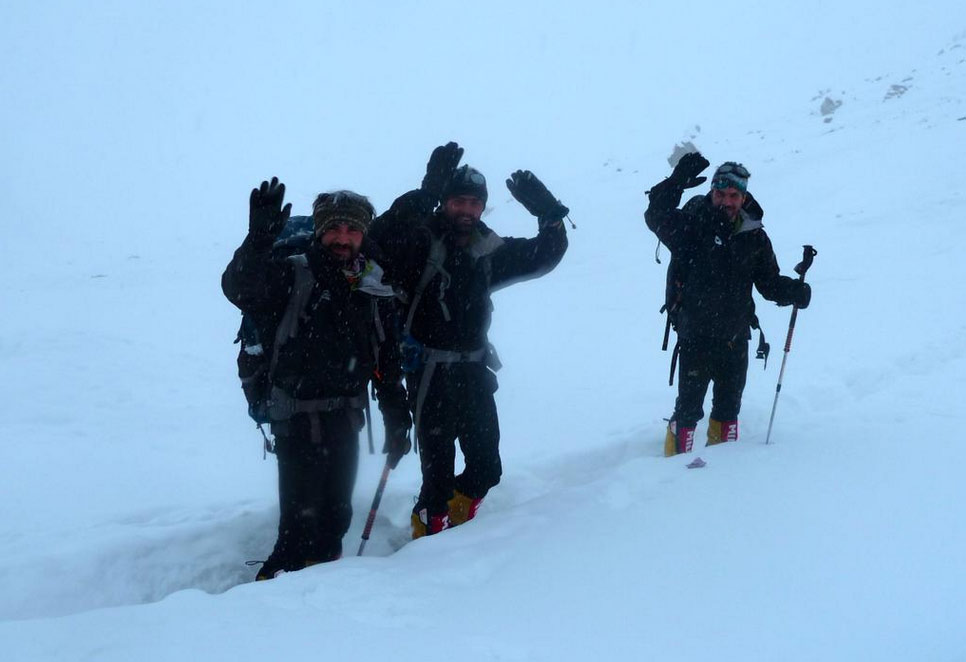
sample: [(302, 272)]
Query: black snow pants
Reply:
[(703, 360), (318, 456), (459, 405)]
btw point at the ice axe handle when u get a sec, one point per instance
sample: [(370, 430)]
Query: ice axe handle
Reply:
[(807, 257)]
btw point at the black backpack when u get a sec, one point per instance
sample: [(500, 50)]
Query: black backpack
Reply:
[(255, 351)]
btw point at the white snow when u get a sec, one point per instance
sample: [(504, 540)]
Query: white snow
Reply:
[(133, 485)]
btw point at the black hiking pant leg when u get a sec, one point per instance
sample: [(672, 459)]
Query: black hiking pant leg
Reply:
[(694, 376), (479, 437), (317, 464), (437, 449), (730, 374), (459, 404)]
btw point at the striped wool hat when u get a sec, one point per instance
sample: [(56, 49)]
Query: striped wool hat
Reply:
[(342, 207)]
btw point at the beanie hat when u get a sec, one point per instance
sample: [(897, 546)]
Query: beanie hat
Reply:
[(731, 175), (465, 181), (347, 207)]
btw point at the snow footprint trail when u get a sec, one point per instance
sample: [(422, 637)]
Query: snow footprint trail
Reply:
[(138, 560)]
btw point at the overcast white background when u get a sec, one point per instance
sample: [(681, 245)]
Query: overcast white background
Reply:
[(133, 484)]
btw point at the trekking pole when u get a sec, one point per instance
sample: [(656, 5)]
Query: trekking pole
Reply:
[(800, 269), (375, 506)]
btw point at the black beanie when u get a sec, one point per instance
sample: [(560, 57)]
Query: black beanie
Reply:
[(465, 181)]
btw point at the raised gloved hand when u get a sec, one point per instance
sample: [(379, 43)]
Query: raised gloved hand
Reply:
[(685, 174), (266, 216), (439, 169), (397, 444), (803, 295), (534, 196)]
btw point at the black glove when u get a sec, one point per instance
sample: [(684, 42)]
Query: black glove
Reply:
[(803, 295), (266, 216), (534, 196), (685, 174), (397, 444), (439, 169)]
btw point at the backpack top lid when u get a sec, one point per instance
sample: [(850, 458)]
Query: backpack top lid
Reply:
[(296, 234)]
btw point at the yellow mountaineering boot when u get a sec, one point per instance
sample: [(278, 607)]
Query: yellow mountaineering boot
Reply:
[(462, 508), (721, 431), (419, 529), (678, 439), (425, 524), (670, 443)]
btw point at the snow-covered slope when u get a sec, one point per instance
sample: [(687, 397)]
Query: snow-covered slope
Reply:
[(133, 485)]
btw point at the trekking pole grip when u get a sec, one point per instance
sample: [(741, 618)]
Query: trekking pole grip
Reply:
[(808, 255)]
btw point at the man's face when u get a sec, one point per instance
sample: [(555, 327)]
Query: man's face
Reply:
[(728, 199), (342, 240), (463, 212)]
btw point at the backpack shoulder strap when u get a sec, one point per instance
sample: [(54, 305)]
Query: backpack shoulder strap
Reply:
[(302, 285), (434, 265)]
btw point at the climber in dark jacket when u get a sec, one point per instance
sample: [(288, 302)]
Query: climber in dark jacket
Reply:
[(447, 262), (720, 250), (334, 333)]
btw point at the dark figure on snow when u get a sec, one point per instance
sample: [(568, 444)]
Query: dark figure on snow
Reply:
[(719, 250), (448, 263), (332, 320)]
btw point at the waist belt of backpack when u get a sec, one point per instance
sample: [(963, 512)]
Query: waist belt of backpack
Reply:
[(433, 357), (283, 406)]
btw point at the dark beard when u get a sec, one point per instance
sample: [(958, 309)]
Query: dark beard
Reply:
[(462, 226), (345, 260)]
